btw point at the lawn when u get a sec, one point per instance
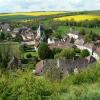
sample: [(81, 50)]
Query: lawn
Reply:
[(34, 54), (62, 30), (65, 29)]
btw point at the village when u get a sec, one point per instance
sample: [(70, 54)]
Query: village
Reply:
[(33, 39)]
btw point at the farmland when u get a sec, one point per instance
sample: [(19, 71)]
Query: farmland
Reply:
[(31, 13), (26, 15), (78, 18)]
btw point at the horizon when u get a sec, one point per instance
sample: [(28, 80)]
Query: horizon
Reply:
[(13, 6), (48, 11)]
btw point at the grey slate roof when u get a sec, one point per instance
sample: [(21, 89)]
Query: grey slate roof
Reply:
[(64, 65), (79, 42)]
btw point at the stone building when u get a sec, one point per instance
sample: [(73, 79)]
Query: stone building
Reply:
[(65, 66)]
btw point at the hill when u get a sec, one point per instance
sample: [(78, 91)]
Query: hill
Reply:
[(23, 85), (26, 15), (94, 12)]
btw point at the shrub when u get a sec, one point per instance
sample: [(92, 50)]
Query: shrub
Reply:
[(29, 55), (67, 53), (77, 50), (84, 53), (56, 50)]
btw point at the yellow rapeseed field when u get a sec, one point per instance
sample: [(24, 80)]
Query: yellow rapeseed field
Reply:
[(78, 18), (31, 13)]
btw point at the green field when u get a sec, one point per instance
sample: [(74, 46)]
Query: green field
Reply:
[(65, 29)]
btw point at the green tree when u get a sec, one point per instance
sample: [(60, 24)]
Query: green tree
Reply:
[(44, 51), (77, 50), (2, 36), (7, 51), (84, 53), (29, 55), (92, 35), (87, 38), (82, 32), (68, 53), (56, 50), (57, 35)]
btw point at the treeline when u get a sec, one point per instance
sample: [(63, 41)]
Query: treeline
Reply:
[(86, 23)]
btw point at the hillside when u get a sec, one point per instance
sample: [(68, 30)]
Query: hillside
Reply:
[(32, 15), (94, 12), (23, 85), (26, 15)]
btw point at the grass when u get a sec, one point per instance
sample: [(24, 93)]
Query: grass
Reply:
[(32, 53), (65, 29), (15, 17), (78, 18)]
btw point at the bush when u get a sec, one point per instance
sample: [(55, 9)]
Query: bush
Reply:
[(29, 55), (56, 51), (77, 50), (67, 53), (23, 85), (84, 53)]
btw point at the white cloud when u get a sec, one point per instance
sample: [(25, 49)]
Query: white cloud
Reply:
[(34, 5)]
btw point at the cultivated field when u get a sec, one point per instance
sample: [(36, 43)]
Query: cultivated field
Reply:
[(31, 13), (78, 18)]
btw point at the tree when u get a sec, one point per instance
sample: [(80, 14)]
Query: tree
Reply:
[(29, 55), (57, 35), (92, 35), (2, 36), (84, 53), (77, 50), (7, 51), (44, 51), (87, 38), (56, 50), (82, 32), (68, 53)]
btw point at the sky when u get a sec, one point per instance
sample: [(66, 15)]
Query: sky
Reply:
[(48, 5)]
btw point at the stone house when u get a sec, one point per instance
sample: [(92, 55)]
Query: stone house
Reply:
[(91, 47), (65, 66), (15, 32), (14, 63), (5, 27), (73, 34)]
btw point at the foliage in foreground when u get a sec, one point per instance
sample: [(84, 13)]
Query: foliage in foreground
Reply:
[(23, 85)]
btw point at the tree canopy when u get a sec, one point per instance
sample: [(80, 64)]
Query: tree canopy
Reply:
[(44, 51)]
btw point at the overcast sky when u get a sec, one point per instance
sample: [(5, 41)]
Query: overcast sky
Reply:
[(48, 5)]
